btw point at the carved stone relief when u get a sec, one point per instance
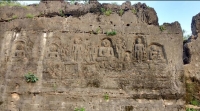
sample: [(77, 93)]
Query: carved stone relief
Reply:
[(120, 48), (72, 58), (139, 50), (156, 53), (21, 49), (141, 15)]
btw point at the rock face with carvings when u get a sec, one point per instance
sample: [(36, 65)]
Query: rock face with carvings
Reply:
[(79, 65)]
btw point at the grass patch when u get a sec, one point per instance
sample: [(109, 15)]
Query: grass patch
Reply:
[(191, 109), (29, 15), (195, 102), (106, 97), (14, 17), (121, 12), (79, 109), (111, 33), (61, 13), (192, 92), (134, 11), (97, 31), (106, 12)]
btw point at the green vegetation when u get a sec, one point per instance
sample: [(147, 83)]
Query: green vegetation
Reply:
[(195, 102), (54, 86), (192, 93), (185, 37), (30, 77), (149, 7), (106, 12), (14, 17), (29, 15), (114, 3), (191, 109), (134, 11), (103, 10), (121, 12), (97, 31), (162, 28), (11, 3), (106, 97), (81, 109), (111, 33), (61, 13)]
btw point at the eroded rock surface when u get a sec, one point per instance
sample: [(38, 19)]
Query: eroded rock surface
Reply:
[(78, 63), (191, 50)]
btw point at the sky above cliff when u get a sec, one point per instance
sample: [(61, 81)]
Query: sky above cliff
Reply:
[(167, 11)]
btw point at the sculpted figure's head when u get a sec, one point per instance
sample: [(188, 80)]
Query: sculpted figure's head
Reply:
[(54, 48), (106, 43), (20, 45), (153, 48), (77, 40), (139, 41)]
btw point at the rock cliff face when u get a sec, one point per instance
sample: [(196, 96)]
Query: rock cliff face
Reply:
[(191, 59), (99, 57), (192, 49)]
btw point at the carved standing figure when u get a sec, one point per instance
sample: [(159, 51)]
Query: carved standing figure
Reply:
[(127, 60), (92, 52), (77, 49), (139, 50), (141, 15), (120, 46)]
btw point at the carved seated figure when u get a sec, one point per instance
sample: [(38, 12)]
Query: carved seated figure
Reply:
[(153, 53), (53, 51), (139, 50), (106, 51), (19, 51), (160, 56), (156, 54)]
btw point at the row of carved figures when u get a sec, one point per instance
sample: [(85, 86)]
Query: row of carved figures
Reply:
[(79, 52)]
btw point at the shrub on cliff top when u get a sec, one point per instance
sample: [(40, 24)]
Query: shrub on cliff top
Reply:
[(162, 28), (11, 3), (121, 12), (106, 12)]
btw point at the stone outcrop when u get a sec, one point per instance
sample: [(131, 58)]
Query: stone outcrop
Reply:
[(195, 25), (87, 59), (191, 50)]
